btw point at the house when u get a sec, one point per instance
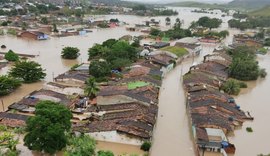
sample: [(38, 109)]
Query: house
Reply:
[(191, 44), (212, 140), (246, 40), (36, 35), (12, 120), (159, 45)]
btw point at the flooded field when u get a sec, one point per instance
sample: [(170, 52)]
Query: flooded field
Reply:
[(172, 133)]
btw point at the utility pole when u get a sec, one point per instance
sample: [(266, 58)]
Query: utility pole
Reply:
[(3, 105)]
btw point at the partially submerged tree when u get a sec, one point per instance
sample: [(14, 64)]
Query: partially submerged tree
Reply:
[(70, 53), (28, 71), (105, 153), (47, 130), (209, 22), (11, 56), (8, 84)]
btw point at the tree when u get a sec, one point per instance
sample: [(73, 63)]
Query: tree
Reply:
[(28, 71), (47, 130), (55, 28), (82, 145), (231, 87), (91, 87), (70, 53), (11, 56), (168, 20), (99, 69), (209, 22), (97, 51), (146, 146), (8, 84), (24, 26), (155, 32), (44, 20), (105, 153)]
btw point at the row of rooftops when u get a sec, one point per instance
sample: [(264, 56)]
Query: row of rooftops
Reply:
[(207, 106), (128, 105)]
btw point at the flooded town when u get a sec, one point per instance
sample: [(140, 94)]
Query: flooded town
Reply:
[(134, 78)]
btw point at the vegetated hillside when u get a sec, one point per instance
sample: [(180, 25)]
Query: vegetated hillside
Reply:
[(264, 12), (249, 4), (194, 4)]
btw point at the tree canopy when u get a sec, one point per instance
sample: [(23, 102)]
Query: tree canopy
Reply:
[(47, 130), (105, 153), (91, 87), (70, 53), (82, 145), (8, 84), (11, 56), (244, 66), (28, 71), (99, 69), (209, 22)]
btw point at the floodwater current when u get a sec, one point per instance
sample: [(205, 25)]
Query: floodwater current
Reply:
[(172, 135)]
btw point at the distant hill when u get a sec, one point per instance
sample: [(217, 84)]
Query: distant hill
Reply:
[(265, 12), (249, 4), (194, 4)]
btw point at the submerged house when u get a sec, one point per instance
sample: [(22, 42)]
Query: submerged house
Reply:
[(12, 120), (246, 40), (36, 35), (191, 44)]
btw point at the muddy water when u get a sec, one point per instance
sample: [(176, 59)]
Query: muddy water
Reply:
[(256, 100), (172, 133)]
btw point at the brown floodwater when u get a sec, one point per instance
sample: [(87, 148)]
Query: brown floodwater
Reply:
[(172, 135)]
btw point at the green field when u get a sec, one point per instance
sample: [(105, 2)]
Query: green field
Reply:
[(179, 51)]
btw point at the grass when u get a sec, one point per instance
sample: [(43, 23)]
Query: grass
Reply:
[(134, 85), (179, 51)]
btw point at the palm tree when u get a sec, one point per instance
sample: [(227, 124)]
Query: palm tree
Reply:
[(91, 87)]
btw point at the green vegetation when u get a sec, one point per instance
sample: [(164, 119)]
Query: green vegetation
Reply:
[(264, 12), (7, 140), (12, 32), (209, 22), (146, 146), (47, 130), (113, 55), (233, 87), (100, 70), (11, 56), (249, 129), (250, 23), (209, 34), (179, 51), (244, 66), (82, 145), (195, 5), (105, 153), (267, 42), (8, 84), (70, 53), (134, 85), (91, 87), (28, 71), (175, 33)]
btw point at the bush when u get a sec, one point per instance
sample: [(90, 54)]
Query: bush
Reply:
[(11, 56), (105, 153), (8, 84), (263, 73), (249, 129), (231, 87), (70, 53), (146, 146)]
